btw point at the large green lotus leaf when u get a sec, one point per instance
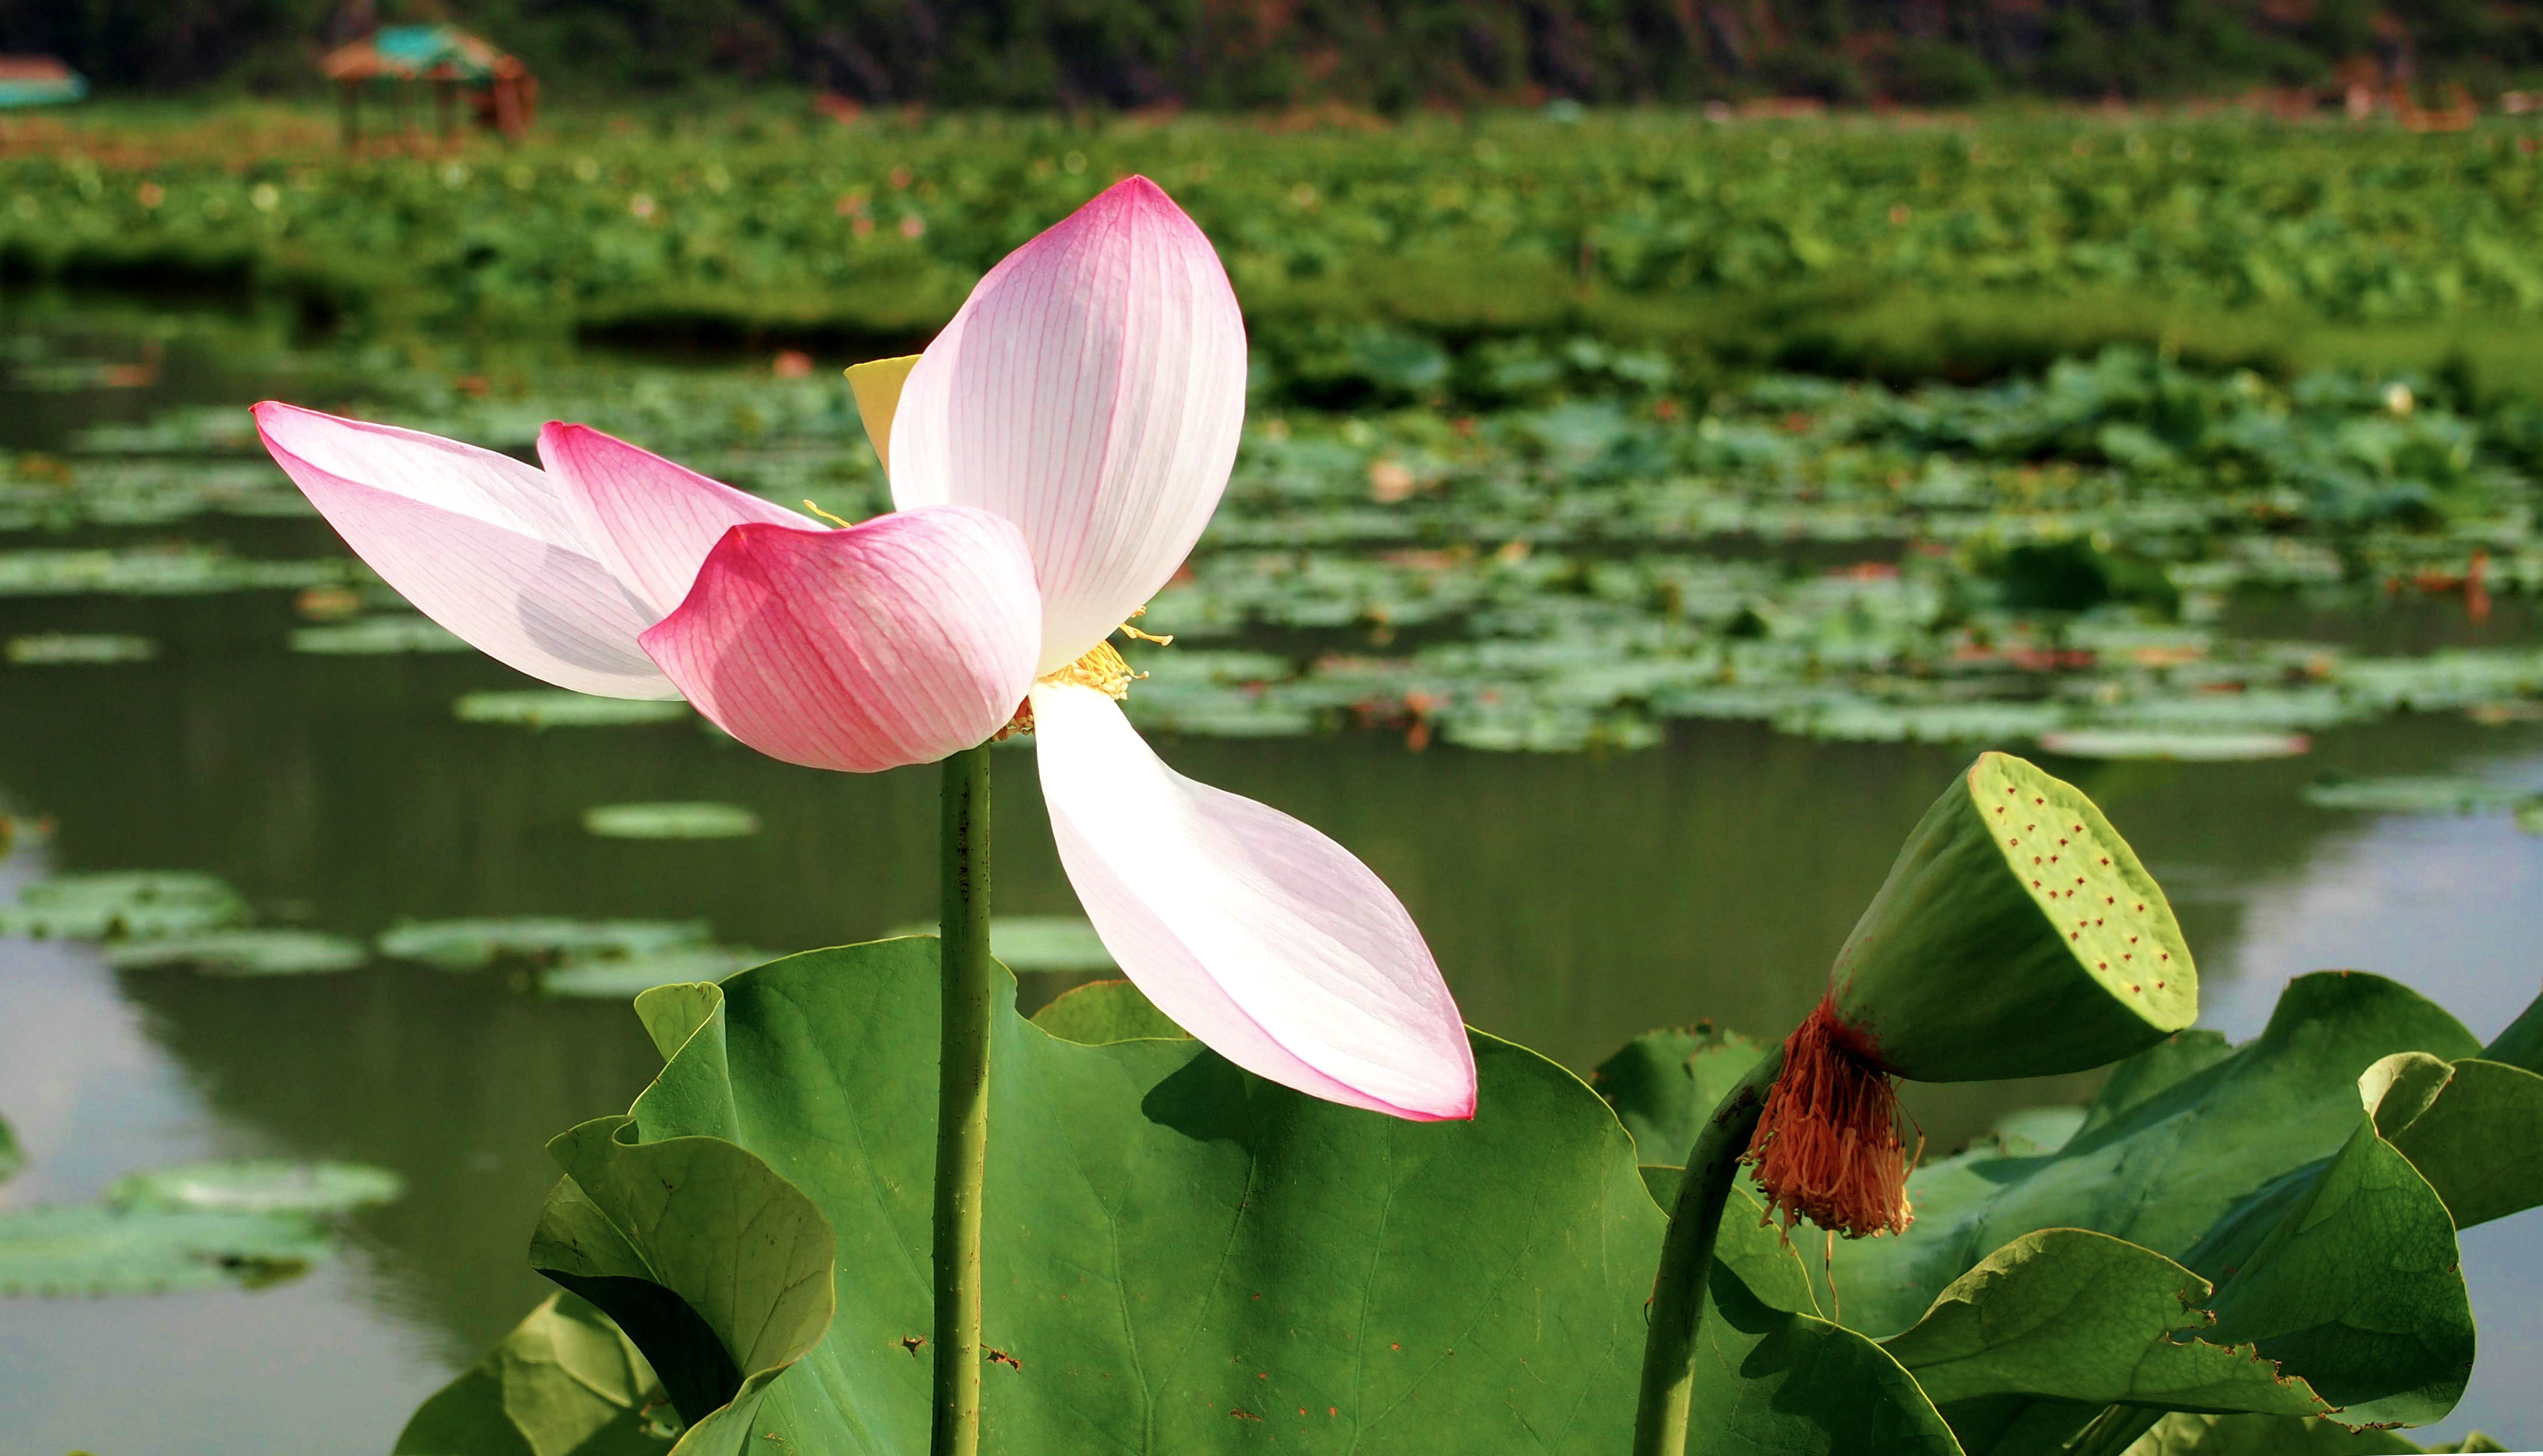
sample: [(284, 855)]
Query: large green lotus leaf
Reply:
[(719, 1268), (2073, 1315), (566, 1381), (1182, 1257), (132, 904), (2357, 1287), (2521, 1044), (91, 1249), (1664, 1084), (2181, 1135), (2471, 1127)]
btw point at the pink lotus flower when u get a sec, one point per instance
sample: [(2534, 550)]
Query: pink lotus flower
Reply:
[(1054, 455)]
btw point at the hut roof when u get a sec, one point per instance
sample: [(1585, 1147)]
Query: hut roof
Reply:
[(419, 52), (37, 80)]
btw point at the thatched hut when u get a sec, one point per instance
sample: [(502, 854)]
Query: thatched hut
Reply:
[(499, 91)]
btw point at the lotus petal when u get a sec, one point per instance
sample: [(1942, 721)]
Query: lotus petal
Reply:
[(894, 642), (1091, 390), (481, 543), (1256, 932), (648, 520)]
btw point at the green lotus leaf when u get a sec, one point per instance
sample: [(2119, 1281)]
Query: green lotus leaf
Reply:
[(2016, 935), (1324, 1275), (669, 821), (1664, 1084), (618, 979), (12, 1156), (538, 709), (2183, 745), (2471, 1128), (64, 1249), (2181, 1135), (2520, 1045), (718, 1267), (566, 1381), (244, 952), (133, 904), (2433, 793), (2276, 1435), (2357, 1287), (403, 632), (476, 945), (2071, 1315), (1100, 1013), (257, 1186), (62, 647)]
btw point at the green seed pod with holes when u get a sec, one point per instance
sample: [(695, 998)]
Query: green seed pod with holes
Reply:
[(2017, 936)]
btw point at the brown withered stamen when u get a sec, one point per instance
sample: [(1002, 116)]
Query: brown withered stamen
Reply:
[(1828, 1146)]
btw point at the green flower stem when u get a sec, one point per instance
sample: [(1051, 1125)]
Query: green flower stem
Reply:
[(1686, 1262), (962, 1101)]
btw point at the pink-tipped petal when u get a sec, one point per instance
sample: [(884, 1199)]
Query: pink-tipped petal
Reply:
[(1091, 390), (894, 642), (479, 542), (1256, 932), (647, 519)]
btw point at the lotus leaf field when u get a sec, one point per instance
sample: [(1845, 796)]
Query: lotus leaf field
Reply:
[(1636, 519)]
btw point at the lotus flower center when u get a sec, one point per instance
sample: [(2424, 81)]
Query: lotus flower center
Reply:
[(1101, 668)]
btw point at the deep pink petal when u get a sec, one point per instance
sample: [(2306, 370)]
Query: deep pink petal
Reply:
[(1256, 932), (894, 642), (650, 520), (1091, 391), (479, 542)]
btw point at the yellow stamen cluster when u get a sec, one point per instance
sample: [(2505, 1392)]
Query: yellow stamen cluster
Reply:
[(1101, 668)]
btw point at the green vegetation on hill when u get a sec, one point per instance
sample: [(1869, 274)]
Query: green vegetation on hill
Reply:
[(1373, 265)]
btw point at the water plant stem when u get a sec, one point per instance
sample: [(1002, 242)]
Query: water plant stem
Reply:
[(962, 1101), (1686, 1262)]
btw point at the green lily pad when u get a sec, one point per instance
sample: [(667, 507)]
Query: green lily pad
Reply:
[(625, 977), (125, 904), (256, 1186), (2470, 1127), (2076, 1316), (547, 710), (2188, 747), (475, 945), (93, 1249), (67, 647), (2430, 794), (566, 1381), (12, 1156), (1100, 1013), (1036, 943), (1476, 1287), (245, 953), (1664, 1084), (670, 821), (378, 637)]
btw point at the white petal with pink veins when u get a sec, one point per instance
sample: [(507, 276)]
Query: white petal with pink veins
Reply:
[(1091, 390), (479, 542), (1256, 934)]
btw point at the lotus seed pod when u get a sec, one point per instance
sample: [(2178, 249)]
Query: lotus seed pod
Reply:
[(2017, 936)]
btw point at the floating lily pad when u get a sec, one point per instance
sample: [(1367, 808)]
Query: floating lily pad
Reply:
[(546, 710), (62, 647), (670, 822), (475, 945), (133, 903), (12, 1157), (94, 1248), (256, 1186), (2186, 747), (245, 953), (622, 979), (1052, 943), (2428, 794), (379, 636)]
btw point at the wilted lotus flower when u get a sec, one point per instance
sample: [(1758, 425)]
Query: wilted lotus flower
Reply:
[(2017, 936), (1055, 454)]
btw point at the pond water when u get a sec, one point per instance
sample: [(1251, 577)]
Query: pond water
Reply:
[(1573, 901)]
